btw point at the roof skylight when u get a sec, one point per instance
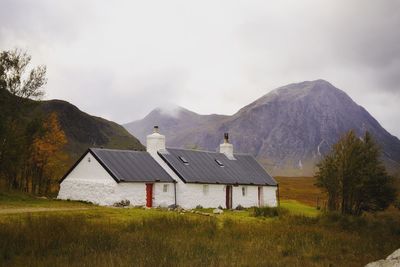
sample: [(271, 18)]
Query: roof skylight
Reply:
[(184, 160), (219, 163)]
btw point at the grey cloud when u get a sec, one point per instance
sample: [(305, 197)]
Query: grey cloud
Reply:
[(43, 21), (121, 59)]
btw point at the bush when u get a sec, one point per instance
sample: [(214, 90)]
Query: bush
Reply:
[(173, 206), (269, 211), (199, 207), (122, 203), (396, 204), (239, 207)]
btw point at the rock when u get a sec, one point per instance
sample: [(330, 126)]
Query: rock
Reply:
[(394, 256), (218, 211), (384, 263), (393, 260)]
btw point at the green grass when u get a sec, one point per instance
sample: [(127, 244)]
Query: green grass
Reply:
[(102, 236), (16, 200), (298, 208)]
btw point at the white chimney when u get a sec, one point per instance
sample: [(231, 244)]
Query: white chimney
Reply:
[(155, 141), (226, 147)]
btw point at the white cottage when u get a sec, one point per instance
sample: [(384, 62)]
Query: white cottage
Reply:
[(169, 176)]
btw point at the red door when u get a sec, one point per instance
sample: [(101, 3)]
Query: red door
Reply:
[(149, 195), (229, 197)]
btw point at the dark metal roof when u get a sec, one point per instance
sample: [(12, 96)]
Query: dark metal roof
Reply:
[(131, 166), (203, 168), (127, 165)]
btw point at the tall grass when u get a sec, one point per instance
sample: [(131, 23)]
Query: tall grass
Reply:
[(186, 240), (269, 211)]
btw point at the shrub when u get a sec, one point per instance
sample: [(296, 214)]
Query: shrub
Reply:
[(199, 207), (122, 203), (220, 207), (396, 204), (269, 211), (173, 206), (239, 207)]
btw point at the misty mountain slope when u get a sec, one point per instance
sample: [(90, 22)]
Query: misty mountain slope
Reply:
[(84, 130), (81, 129), (176, 123), (288, 129)]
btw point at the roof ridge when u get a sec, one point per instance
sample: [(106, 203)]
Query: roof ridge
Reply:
[(207, 151), (194, 150), (118, 150)]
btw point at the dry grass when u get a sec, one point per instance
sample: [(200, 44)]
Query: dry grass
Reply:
[(301, 189), (173, 239), (100, 236)]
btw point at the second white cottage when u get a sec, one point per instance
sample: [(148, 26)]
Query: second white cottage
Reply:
[(164, 176)]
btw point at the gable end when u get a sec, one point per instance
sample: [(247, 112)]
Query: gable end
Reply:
[(98, 160)]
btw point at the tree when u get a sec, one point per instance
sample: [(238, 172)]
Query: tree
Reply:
[(22, 84), (353, 176), (47, 154), (13, 65), (377, 192), (329, 181)]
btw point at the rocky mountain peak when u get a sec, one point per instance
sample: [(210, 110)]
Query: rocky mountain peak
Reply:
[(289, 129)]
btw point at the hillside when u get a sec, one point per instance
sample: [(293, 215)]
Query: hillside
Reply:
[(288, 129), (82, 130)]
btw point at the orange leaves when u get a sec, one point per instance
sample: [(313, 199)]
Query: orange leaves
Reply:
[(50, 143)]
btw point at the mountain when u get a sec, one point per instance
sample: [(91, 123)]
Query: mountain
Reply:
[(81, 129), (176, 123), (288, 130), (84, 130)]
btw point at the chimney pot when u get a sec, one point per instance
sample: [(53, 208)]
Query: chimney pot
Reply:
[(226, 147), (226, 137), (155, 141)]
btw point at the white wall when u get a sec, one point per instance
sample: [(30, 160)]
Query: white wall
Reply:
[(270, 196), (90, 169), (191, 195), (250, 199), (89, 181), (163, 199)]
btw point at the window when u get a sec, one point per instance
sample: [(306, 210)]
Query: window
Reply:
[(165, 188), (205, 189), (184, 160), (219, 163), (244, 190)]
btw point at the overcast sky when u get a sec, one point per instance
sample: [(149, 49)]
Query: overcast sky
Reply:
[(121, 59)]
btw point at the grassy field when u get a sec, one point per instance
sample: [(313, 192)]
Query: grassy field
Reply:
[(79, 234), (301, 189)]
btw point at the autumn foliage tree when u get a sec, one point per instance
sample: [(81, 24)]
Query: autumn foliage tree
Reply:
[(354, 178), (47, 154)]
